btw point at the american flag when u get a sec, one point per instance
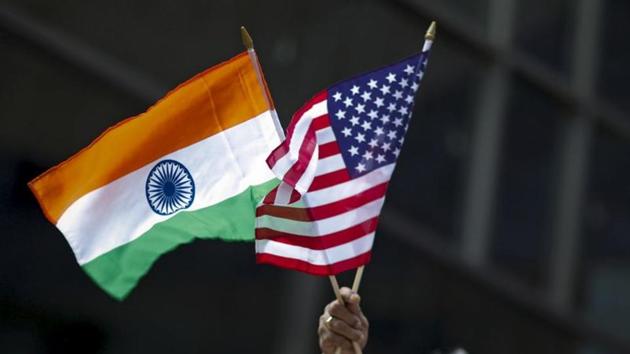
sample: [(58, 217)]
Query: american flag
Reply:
[(335, 164)]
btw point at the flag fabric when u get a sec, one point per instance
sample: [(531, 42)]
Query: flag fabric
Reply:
[(335, 165), (192, 166)]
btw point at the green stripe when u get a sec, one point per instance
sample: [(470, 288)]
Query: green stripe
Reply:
[(119, 270)]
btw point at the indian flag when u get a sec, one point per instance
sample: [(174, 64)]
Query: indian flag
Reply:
[(192, 166)]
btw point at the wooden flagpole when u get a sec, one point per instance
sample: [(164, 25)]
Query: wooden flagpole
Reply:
[(248, 42)]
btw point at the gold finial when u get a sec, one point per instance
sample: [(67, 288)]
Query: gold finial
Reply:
[(430, 35), (247, 39)]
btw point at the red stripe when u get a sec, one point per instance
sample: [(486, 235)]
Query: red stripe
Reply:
[(295, 196), (328, 149), (321, 242), (271, 196), (331, 269), (283, 148), (329, 179), (305, 154), (277, 153), (293, 175), (324, 211), (320, 122)]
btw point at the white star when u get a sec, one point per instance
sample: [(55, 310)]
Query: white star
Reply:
[(373, 143), (391, 134), (378, 102), (391, 77), (366, 96), (386, 146), (401, 140), (360, 108), (403, 110), (397, 152), (354, 90), (360, 167), (391, 107), (380, 158), (409, 99), (384, 89), (341, 114), (353, 150), (379, 131), (348, 102), (360, 137), (398, 122), (420, 74), (385, 119), (354, 120), (346, 132), (409, 69), (404, 83), (372, 84), (368, 156), (373, 114), (337, 96), (398, 94), (415, 86), (366, 125)]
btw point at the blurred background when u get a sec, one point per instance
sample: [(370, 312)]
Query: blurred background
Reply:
[(507, 226)]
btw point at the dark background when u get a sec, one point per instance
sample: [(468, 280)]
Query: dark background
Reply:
[(507, 226)]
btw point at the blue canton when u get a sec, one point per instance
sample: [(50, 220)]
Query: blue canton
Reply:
[(370, 114)]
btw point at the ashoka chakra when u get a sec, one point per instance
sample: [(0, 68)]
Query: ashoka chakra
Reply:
[(170, 187)]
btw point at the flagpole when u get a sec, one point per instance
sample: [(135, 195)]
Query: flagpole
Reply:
[(335, 286), (248, 42), (429, 37)]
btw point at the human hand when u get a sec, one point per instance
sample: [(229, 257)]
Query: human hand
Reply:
[(340, 325)]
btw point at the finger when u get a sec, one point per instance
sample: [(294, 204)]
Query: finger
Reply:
[(341, 312), (354, 304), (330, 341), (346, 293), (351, 299), (340, 327), (365, 324)]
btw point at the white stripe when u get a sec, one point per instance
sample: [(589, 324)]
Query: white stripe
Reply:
[(348, 188), (283, 164), (305, 180), (324, 226), (317, 257), (222, 166), (283, 195), (330, 164), (325, 135)]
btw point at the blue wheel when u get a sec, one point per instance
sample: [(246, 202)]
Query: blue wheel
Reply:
[(169, 187)]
